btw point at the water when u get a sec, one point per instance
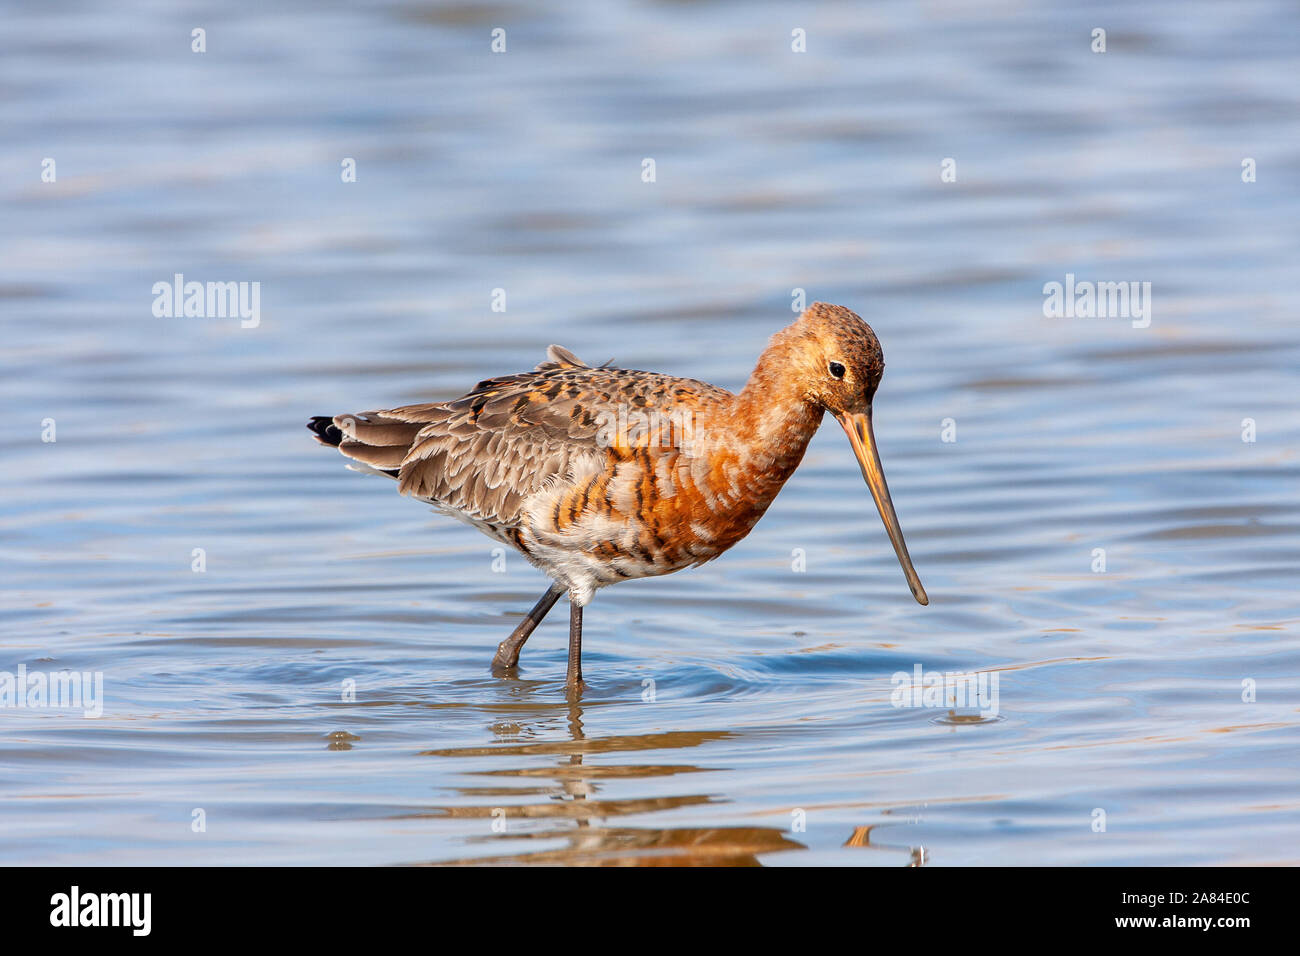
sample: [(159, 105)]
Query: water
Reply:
[(771, 736)]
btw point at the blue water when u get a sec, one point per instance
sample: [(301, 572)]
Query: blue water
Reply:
[(736, 713)]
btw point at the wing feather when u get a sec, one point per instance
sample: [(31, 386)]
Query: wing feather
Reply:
[(484, 454)]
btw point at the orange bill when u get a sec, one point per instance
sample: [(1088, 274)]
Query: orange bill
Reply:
[(863, 440)]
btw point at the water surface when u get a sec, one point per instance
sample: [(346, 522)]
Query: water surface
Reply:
[(737, 713)]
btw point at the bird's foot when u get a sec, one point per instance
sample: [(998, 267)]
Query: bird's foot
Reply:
[(506, 657)]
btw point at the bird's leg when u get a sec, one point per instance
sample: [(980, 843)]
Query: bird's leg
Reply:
[(507, 654), (573, 680)]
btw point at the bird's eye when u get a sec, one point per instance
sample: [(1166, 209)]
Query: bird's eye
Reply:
[(836, 370)]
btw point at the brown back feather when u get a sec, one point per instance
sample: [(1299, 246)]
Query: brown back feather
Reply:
[(486, 452)]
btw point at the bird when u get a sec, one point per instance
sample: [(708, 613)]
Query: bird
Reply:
[(600, 474)]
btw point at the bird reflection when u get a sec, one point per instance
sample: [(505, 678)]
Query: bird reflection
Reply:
[(560, 799), (566, 800)]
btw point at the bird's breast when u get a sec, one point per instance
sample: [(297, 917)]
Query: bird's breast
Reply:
[(652, 510)]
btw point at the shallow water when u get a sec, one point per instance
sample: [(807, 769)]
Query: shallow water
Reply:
[(740, 712)]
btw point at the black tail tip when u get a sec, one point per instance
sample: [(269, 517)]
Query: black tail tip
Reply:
[(326, 431)]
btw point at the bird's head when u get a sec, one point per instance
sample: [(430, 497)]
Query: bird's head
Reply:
[(836, 358)]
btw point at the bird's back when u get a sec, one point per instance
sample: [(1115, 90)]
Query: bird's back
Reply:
[(484, 456)]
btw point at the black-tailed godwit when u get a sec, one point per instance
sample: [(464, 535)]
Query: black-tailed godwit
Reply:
[(598, 475)]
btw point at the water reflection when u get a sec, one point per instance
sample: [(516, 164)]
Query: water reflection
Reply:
[(861, 839), (577, 812)]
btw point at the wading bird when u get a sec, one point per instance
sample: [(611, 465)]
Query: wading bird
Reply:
[(598, 475)]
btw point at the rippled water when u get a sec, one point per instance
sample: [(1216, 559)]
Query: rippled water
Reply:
[(740, 712)]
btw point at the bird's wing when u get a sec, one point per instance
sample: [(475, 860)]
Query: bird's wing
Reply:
[(484, 454)]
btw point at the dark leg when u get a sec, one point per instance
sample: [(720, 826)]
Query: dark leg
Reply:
[(508, 650), (573, 680)]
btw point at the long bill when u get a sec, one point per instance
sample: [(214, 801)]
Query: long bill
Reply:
[(863, 440)]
